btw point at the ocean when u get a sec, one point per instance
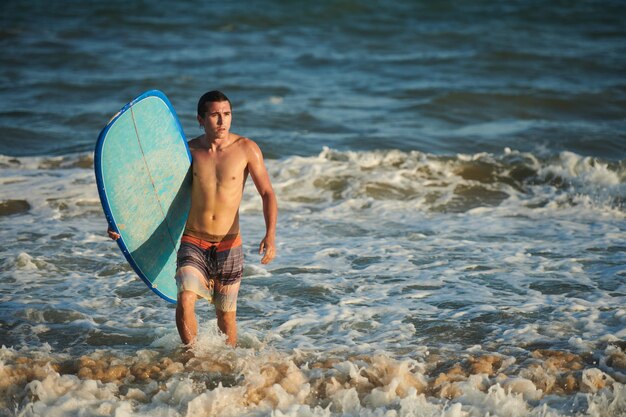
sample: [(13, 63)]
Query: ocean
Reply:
[(451, 178)]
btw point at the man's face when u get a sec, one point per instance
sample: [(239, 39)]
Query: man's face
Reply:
[(217, 119)]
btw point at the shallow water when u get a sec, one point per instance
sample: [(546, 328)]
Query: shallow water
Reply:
[(403, 279), (452, 234)]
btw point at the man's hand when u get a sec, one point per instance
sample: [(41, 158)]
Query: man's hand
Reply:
[(113, 235), (267, 249)]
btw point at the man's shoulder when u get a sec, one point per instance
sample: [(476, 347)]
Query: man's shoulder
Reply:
[(194, 143), (241, 140), (246, 143)]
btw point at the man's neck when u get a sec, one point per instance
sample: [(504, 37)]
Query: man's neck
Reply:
[(215, 143)]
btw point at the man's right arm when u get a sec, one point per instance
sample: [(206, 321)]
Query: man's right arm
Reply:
[(113, 235)]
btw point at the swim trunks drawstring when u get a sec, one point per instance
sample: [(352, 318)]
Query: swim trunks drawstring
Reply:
[(211, 256)]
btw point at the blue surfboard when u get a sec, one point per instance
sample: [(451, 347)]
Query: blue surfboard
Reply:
[(142, 165)]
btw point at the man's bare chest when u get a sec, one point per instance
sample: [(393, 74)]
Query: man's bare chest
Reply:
[(218, 169)]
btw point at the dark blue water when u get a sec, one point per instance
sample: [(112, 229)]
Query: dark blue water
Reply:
[(433, 76)]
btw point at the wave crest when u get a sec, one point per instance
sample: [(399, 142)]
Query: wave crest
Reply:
[(458, 183)]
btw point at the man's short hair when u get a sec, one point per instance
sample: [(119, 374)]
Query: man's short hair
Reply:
[(211, 97)]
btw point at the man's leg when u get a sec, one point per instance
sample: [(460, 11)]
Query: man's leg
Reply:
[(227, 323), (226, 309), (191, 284), (186, 317)]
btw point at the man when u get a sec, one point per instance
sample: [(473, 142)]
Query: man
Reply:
[(210, 258)]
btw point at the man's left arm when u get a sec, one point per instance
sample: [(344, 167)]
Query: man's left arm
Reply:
[(261, 179)]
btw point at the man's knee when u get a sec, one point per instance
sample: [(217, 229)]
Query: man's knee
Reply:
[(226, 317), (187, 300)]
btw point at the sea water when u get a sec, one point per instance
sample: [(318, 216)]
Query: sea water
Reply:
[(452, 231)]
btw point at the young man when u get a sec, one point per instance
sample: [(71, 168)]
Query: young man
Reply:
[(210, 258)]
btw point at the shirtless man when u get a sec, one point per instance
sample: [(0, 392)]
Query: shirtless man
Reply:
[(210, 258)]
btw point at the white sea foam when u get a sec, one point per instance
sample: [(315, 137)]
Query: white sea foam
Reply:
[(269, 384)]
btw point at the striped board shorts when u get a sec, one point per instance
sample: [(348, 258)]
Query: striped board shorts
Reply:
[(212, 270)]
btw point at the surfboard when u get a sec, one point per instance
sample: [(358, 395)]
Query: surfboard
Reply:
[(142, 164)]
